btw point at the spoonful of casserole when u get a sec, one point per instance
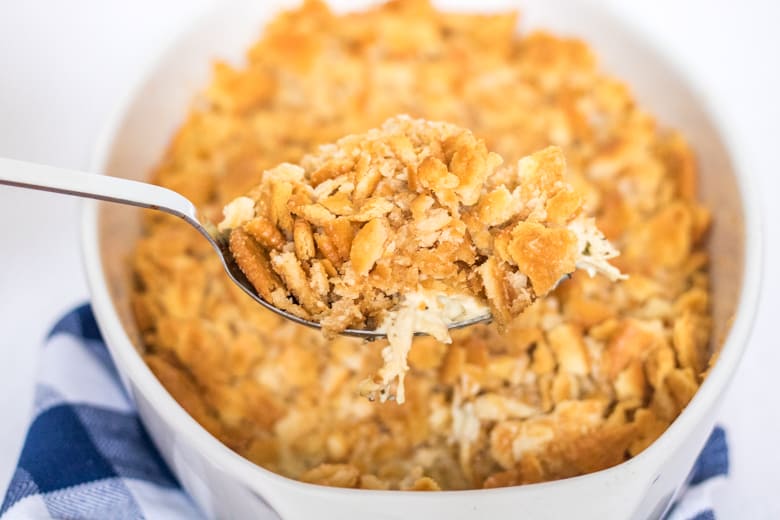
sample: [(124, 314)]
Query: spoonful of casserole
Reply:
[(411, 228)]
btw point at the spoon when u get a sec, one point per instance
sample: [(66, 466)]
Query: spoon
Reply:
[(23, 174)]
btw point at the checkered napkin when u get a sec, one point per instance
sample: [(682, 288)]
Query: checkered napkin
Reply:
[(87, 456)]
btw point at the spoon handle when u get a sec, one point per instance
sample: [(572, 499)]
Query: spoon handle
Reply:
[(102, 187)]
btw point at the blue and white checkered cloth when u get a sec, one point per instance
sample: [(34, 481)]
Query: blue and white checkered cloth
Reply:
[(87, 455)]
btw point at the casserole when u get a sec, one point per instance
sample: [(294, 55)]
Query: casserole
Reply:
[(225, 485)]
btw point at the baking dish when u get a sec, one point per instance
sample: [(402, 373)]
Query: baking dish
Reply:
[(228, 486)]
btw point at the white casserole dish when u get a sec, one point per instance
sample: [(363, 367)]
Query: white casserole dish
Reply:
[(227, 486)]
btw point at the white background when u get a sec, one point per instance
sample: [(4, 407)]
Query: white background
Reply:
[(65, 65)]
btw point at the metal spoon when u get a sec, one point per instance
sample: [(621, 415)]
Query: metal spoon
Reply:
[(124, 191)]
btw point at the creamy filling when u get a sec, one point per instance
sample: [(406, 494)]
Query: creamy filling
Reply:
[(238, 211), (425, 312), (595, 250)]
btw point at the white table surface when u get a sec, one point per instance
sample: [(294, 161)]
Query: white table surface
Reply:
[(64, 66)]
